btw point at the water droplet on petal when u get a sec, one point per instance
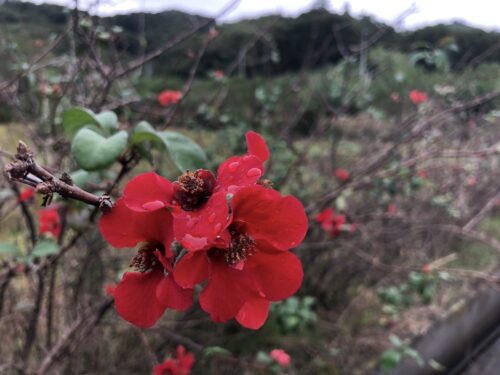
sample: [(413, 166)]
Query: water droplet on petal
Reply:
[(212, 217), (233, 166), (254, 172)]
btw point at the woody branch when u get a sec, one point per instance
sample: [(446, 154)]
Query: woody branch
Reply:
[(26, 170)]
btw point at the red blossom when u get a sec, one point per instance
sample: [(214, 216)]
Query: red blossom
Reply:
[(281, 357), (142, 296), (26, 195), (167, 97), (176, 366), (422, 173), (342, 174), (418, 97), (49, 221), (427, 268), (395, 97), (247, 262), (471, 180), (392, 209), (331, 222), (219, 74)]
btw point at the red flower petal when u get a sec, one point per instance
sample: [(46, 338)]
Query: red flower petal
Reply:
[(257, 145), (148, 192), (192, 269), (254, 313), (135, 298), (267, 215), (123, 227), (226, 292), (278, 274), (172, 296), (197, 230), (239, 171)]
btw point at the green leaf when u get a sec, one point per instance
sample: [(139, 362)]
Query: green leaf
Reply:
[(76, 118), (184, 152), (436, 365), (217, 351), (9, 250), (45, 248), (108, 120), (390, 359), (92, 151)]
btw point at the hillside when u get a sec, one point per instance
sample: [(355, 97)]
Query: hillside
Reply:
[(270, 45)]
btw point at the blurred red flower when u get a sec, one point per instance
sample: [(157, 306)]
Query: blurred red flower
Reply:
[(331, 222), (392, 209), (49, 221), (26, 195), (244, 255), (281, 357), (418, 97), (142, 296), (219, 74), (176, 366), (167, 97), (422, 173), (342, 174)]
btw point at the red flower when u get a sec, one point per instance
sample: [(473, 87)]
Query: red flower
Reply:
[(341, 174), (331, 222), (418, 97), (26, 195), (167, 97), (427, 268), (142, 296), (395, 97), (219, 74), (422, 173), (179, 366), (49, 221), (392, 209), (244, 255), (281, 357)]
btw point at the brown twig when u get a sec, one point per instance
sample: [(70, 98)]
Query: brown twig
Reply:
[(25, 169)]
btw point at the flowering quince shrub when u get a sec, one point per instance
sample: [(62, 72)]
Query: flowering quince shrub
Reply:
[(176, 366), (227, 233)]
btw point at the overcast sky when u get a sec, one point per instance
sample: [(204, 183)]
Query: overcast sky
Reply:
[(484, 13)]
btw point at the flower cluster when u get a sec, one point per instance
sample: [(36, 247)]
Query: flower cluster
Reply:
[(227, 233)]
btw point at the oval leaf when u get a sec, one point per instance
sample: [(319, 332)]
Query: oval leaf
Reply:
[(185, 153), (45, 248), (108, 120), (92, 151), (76, 118), (8, 250)]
